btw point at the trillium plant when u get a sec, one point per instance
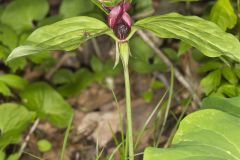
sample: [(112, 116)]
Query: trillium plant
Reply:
[(69, 33)]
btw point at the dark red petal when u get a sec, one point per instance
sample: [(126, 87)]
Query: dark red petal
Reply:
[(127, 19), (122, 30), (125, 6), (114, 16)]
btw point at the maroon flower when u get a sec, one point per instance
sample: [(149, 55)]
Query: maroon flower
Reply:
[(119, 20)]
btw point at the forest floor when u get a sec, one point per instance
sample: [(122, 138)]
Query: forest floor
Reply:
[(96, 113)]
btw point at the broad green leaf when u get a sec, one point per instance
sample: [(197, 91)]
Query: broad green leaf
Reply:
[(17, 64), (107, 3), (70, 8), (82, 79), (238, 6), (40, 58), (14, 119), (184, 0), (8, 37), (44, 145), (4, 90), (107, 71), (209, 66), (148, 96), (14, 156), (50, 20), (171, 54), (203, 135), (2, 155), (183, 48), (229, 75), (2, 7), (140, 49), (143, 58), (20, 14), (228, 90), (13, 81), (211, 81), (96, 64), (201, 34), (65, 35), (4, 51), (156, 84), (229, 105), (63, 76), (48, 104), (144, 67), (143, 8), (237, 70), (99, 5), (223, 14)]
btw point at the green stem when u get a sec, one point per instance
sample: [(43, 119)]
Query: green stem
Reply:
[(66, 137), (129, 112), (124, 54)]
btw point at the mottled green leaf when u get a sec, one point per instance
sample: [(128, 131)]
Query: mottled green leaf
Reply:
[(204, 135), (201, 34)]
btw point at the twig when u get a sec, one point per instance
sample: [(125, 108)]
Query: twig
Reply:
[(27, 138), (58, 65), (177, 73), (96, 47), (166, 83)]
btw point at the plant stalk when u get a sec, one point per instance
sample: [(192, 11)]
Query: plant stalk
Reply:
[(124, 54), (129, 112)]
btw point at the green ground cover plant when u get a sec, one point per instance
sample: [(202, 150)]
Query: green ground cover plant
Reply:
[(210, 133)]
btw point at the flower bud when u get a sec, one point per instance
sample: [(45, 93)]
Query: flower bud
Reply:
[(120, 21), (127, 19), (122, 30), (114, 16)]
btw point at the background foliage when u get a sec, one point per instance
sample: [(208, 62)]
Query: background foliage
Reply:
[(36, 87)]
